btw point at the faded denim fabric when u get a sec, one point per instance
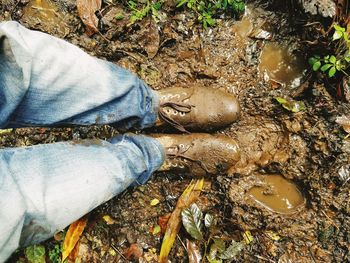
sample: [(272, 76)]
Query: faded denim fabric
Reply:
[(45, 81)]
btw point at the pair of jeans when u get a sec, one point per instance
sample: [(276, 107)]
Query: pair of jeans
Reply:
[(45, 81)]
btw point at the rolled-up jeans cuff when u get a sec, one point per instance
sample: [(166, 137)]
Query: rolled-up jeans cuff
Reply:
[(151, 149)]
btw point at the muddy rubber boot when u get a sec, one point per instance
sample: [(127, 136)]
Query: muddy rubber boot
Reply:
[(198, 153), (197, 108)]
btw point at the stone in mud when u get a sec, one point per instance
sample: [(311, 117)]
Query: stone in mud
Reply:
[(326, 8)]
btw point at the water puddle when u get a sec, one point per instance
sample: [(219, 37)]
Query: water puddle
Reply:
[(278, 64), (45, 15), (278, 194)]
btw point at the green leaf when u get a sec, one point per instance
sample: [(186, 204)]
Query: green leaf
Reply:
[(333, 59), (217, 247), (347, 56), (313, 60), (55, 254), (192, 221), (156, 230), (337, 35), (325, 67), (119, 16), (181, 3), (232, 251), (281, 100), (332, 72), (35, 254), (316, 66), (339, 28), (297, 106), (209, 220)]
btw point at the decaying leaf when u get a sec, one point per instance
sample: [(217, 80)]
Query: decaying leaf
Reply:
[(35, 254), (232, 251), (189, 196), (209, 221), (86, 11), (194, 255), (216, 248), (134, 251), (150, 38), (344, 121), (192, 221), (291, 105), (72, 237), (163, 222)]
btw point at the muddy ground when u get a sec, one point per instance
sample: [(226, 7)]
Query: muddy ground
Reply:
[(308, 148)]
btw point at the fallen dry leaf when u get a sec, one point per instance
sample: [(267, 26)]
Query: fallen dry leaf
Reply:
[(134, 251), (194, 255), (72, 237), (86, 11), (163, 222), (344, 121), (189, 196)]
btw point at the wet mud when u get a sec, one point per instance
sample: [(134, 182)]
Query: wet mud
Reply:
[(292, 177)]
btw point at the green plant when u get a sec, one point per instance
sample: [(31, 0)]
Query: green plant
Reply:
[(55, 254), (340, 60), (140, 10), (207, 9), (193, 221)]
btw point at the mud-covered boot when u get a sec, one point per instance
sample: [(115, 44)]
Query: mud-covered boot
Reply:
[(198, 153), (197, 108)]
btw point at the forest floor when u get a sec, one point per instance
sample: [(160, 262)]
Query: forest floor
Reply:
[(289, 191)]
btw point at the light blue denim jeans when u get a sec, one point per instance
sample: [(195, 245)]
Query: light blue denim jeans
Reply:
[(45, 81)]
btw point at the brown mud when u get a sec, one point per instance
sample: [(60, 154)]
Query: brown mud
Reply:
[(306, 148)]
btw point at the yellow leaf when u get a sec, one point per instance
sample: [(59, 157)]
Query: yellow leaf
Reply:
[(72, 237), (189, 196), (273, 235), (154, 202), (112, 252), (248, 238), (5, 131), (109, 220), (156, 230)]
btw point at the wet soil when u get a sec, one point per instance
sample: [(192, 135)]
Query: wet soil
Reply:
[(308, 209)]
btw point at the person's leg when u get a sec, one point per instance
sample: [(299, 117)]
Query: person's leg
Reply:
[(44, 188), (45, 81)]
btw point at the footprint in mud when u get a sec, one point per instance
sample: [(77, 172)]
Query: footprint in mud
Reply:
[(273, 192), (278, 64), (277, 194)]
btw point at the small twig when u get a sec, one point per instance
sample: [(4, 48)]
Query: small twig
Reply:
[(312, 256), (324, 213), (120, 253), (266, 259), (182, 243)]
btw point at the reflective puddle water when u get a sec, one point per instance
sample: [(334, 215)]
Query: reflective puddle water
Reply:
[(278, 194), (280, 65)]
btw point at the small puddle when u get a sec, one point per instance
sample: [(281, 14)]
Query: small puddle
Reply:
[(46, 14), (280, 65), (278, 194)]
